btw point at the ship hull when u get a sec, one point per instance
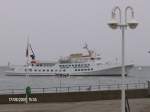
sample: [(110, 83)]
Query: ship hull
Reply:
[(110, 71)]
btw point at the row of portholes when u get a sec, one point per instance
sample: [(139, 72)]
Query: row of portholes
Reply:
[(42, 65), (75, 65), (44, 70), (84, 69)]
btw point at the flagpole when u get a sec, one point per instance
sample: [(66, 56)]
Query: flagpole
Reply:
[(27, 68)]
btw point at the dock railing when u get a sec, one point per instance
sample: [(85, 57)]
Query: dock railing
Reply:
[(62, 89)]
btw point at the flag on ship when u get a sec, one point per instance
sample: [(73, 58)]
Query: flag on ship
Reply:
[(29, 51), (32, 55)]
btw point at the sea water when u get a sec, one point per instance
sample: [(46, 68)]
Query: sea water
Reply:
[(138, 74)]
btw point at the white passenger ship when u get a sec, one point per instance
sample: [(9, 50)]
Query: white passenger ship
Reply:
[(77, 64)]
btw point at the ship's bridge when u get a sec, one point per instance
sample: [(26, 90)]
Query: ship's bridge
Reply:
[(42, 63)]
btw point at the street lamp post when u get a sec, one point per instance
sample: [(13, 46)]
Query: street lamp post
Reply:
[(114, 24)]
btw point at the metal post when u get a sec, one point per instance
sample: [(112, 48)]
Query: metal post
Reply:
[(60, 84), (27, 67), (123, 69), (99, 87), (12, 91), (127, 86), (123, 25), (43, 90), (148, 87), (79, 88), (68, 89), (56, 90), (118, 86)]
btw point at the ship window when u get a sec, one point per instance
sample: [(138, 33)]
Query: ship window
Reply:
[(78, 65), (30, 70), (88, 69), (25, 69), (66, 66), (39, 70), (51, 70), (40, 64), (85, 69), (35, 70), (37, 65), (78, 69), (64, 70), (98, 63), (55, 70), (47, 70), (91, 68), (75, 69), (81, 69), (43, 70), (12, 69)]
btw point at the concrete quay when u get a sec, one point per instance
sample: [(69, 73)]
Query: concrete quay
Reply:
[(136, 105)]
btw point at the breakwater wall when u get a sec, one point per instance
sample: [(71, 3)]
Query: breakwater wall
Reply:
[(74, 96)]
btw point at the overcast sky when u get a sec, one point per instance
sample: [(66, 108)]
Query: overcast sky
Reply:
[(60, 27)]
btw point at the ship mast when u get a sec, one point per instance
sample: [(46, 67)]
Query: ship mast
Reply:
[(29, 53), (89, 51), (27, 68)]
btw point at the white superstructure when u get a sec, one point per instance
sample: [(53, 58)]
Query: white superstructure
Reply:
[(77, 64)]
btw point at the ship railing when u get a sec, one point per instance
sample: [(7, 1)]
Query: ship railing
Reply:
[(79, 88)]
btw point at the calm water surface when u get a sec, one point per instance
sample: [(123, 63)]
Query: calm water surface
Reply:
[(138, 74)]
